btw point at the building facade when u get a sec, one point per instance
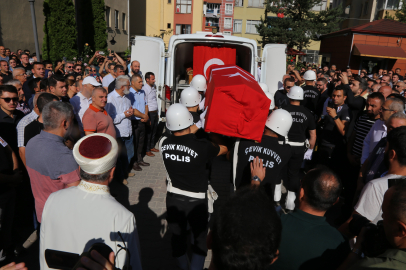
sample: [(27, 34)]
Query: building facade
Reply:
[(372, 46), (117, 24)]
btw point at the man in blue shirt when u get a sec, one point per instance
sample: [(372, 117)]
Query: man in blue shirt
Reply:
[(139, 119)]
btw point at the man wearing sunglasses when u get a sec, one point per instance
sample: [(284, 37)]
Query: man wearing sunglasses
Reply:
[(69, 67), (400, 86), (281, 100), (9, 116)]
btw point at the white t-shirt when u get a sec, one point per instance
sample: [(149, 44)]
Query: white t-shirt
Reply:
[(107, 80), (370, 202)]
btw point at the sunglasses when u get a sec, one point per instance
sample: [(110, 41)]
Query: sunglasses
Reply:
[(288, 87), (69, 66), (7, 99)]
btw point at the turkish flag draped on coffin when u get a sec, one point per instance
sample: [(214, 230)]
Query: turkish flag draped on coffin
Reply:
[(237, 106), (206, 56)]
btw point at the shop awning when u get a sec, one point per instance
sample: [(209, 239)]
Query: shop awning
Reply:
[(379, 51), (291, 51)]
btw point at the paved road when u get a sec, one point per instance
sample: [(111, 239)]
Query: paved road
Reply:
[(145, 197)]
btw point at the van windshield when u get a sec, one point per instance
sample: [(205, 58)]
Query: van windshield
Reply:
[(183, 60)]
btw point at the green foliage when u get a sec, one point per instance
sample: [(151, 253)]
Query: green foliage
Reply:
[(127, 52), (93, 24), (401, 13), (60, 30), (300, 24)]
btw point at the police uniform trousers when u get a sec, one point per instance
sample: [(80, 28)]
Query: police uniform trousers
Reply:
[(294, 165), (181, 211)]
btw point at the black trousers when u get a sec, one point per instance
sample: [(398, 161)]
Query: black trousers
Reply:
[(139, 138), (181, 211), (294, 165), (151, 130)]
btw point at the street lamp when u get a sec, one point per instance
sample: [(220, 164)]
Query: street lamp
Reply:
[(34, 28)]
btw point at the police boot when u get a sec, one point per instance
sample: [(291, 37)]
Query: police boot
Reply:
[(290, 200), (183, 262), (197, 262)]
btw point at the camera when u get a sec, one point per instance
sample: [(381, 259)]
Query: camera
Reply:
[(375, 242), (69, 261)]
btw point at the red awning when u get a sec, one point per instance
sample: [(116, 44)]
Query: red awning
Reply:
[(294, 52), (379, 51)]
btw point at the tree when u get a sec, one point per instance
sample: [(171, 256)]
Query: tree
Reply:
[(296, 24), (401, 13), (60, 30), (92, 24)]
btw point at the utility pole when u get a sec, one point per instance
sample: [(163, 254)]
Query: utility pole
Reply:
[(34, 28)]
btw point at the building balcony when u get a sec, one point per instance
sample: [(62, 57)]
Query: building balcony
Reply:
[(214, 24), (388, 5), (212, 13)]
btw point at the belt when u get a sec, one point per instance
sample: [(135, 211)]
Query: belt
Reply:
[(296, 143), (196, 195), (153, 111)]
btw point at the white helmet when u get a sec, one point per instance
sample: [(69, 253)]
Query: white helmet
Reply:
[(264, 87), (295, 93), (310, 75), (279, 121), (199, 83), (178, 117), (190, 97), (271, 97)]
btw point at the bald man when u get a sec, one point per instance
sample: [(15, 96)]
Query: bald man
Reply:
[(385, 90), (135, 68)]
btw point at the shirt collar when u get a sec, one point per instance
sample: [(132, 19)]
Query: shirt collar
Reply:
[(93, 188), (116, 94), (136, 92), (81, 96), (3, 114), (93, 108), (307, 217)]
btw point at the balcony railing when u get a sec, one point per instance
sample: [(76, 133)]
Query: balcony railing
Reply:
[(212, 24), (387, 5)]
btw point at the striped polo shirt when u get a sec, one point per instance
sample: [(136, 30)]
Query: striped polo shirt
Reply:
[(362, 127)]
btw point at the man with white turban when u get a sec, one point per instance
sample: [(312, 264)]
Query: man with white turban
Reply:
[(76, 218)]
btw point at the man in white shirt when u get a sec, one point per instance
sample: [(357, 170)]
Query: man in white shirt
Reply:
[(120, 109), (109, 77), (150, 92), (81, 101), (369, 204), (378, 130), (76, 218)]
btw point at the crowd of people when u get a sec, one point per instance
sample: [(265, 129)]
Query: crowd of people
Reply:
[(333, 140)]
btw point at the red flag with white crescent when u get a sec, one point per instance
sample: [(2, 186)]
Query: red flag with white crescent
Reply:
[(206, 57)]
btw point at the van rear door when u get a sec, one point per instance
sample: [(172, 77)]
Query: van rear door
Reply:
[(273, 66), (150, 52)]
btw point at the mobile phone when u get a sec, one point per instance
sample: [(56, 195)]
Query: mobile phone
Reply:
[(101, 53), (330, 104), (110, 57), (112, 51), (87, 72), (64, 58)]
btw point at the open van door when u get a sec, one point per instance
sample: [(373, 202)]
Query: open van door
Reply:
[(150, 52), (273, 66)]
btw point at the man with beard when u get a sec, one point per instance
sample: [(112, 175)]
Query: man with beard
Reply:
[(281, 100), (134, 68)]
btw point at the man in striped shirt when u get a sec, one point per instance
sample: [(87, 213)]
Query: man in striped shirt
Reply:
[(362, 127)]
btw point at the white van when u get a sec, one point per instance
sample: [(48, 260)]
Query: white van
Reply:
[(169, 66)]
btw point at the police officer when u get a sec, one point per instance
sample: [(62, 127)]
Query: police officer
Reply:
[(191, 98), (303, 121), (199, 83), (185, 159), (273, 154), (311, 94)]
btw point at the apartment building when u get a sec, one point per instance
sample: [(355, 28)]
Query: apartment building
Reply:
[(357, 12), (117, 24)]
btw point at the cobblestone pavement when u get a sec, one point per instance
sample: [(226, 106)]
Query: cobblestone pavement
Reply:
[(145, 197)]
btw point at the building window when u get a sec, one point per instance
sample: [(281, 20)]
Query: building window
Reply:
[(168, 26), (251, 29), (239, 3), (237, 26), (227, 33), (116, 19), (108, 16), (212, 22), (256, 3), (366, 8), (183, 29), (228, 23), (124, 23), (169, 1), (311, 56), (229, 9), (183, 6)]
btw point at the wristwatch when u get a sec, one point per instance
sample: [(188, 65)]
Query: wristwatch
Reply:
[(256, 178), (335, 118)]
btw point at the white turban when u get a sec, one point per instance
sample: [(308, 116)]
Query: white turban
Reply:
[(96, 153)]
